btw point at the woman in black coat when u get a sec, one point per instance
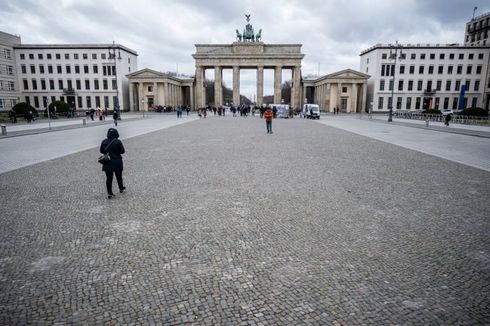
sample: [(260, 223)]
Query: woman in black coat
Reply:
[(115, 166)]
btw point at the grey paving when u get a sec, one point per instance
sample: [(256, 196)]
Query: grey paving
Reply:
[(224, 224)]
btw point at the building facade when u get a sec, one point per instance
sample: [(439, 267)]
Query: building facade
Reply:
[(9, 85), (85, 76), (477, 30), (427, 76)]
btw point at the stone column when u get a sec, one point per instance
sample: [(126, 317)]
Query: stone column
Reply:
[(277, 84), (218, 90), (131, 95), (164, 97), (333, 98), (339, 93), (295, 91), (155, 93), (199, 87), (354, 97), (304, 95), (364, 97), (191, 95), (236, 85), (260, 85), (140, 97)]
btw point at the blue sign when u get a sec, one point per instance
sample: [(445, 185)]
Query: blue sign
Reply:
[(461, 97)]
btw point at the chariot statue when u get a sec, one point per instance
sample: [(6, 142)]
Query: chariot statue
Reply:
[(248, 34)]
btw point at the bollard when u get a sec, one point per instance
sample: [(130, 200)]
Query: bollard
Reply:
[(4, 130), (426, 123), (84, 122)]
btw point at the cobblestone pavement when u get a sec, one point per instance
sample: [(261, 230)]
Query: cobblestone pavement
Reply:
[(225, 224)]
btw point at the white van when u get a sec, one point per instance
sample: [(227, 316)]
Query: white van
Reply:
[(311, 111)]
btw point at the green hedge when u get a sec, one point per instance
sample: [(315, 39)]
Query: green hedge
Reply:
[(22, 108), (476, 112), (61, 107)]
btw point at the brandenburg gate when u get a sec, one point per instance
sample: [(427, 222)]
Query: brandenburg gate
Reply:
[(247, 52)]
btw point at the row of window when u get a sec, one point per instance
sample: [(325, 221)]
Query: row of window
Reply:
[(69, 84), (79, 104), (7, 104), (6, 70), (76, 56), (6, 54), (7, 85), (107, 70), (432, 56), (429, 85), (389, 69), (424, 103)]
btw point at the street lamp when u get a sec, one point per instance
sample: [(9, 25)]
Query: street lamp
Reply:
[(47, 111), (394, 55), (112, 55), (143, 106)]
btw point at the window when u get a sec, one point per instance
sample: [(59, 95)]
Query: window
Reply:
[(114, 85), (7, 54), (411, 70), (59, 69), (398, 103), (410, 85), (344, 89), (478, 70), (31, 56), (409, 103), (89, 102), (449, 70), (457, 85), (69, 84), (383, 56), (441, 56), (77, 69), (412, 56), (75, 56), (23, 69), (97, 101), (96, 84), (85, 69), (25, 84), (477, 85), (79, 100), (421, 69), (106, 101), (459, 69), (382, 85), (102, 56), (41, 69), (68, 69), (129, 60), (28, 100), (60, 84), (67, 56), (78, 83), (105, 84), (419, 85), (448, 85), (451, 56), (36, 101), (50, 69), (467, 85), (390, 87), (94, 56), (96, 69), (470, 56), (43, 84), (440, 70), (85, 56), (438, 85), (422, 56), (468, 69), (431, 70), (429, 85), (461, 56), (402, 69), (473, 102), (33, 69), (58, 56), (40, 56), (446, 103), (400, 85), (436, 106), (87, 84), (22, 56), (380, 103), (382, 70), (114, 70), (51, 84), (417, 103), (480, 56), (48, 56), (432, 56)]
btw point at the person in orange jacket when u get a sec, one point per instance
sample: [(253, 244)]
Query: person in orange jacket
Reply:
[(268, 120)]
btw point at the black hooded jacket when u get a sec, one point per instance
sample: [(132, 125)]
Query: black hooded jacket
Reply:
[(115, 150)]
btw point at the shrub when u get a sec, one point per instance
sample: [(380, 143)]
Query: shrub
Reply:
[(432, 111), (61, 107), (22, 108), (476, 112)]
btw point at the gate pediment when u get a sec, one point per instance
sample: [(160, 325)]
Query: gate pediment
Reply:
[(248, 48)]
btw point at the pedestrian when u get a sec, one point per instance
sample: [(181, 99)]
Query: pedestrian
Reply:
[(92, 112), (447, 119), (268, 120), (115, 148), (115, 116)]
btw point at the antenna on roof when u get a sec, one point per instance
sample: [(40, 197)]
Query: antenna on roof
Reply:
[(474, 9)]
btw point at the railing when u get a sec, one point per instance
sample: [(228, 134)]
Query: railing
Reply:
[(460, 119)]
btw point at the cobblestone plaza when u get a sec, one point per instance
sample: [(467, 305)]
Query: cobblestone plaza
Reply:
[(224, 224)]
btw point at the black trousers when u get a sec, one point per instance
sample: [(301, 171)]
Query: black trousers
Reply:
[(110, 176)]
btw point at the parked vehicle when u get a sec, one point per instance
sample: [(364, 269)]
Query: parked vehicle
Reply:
[(282, 110), (311, 111), (447, 111)]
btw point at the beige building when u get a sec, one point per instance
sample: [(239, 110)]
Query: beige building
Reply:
[(9, 86), (478, 30)]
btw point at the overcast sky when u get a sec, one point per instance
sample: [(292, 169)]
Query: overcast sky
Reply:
[(163, 32)]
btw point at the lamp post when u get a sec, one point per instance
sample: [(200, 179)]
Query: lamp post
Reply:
[(47, 111), (393, 55), (143, 106), (112, 54)]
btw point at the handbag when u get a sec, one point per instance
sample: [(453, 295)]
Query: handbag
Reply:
[(106, 158)]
